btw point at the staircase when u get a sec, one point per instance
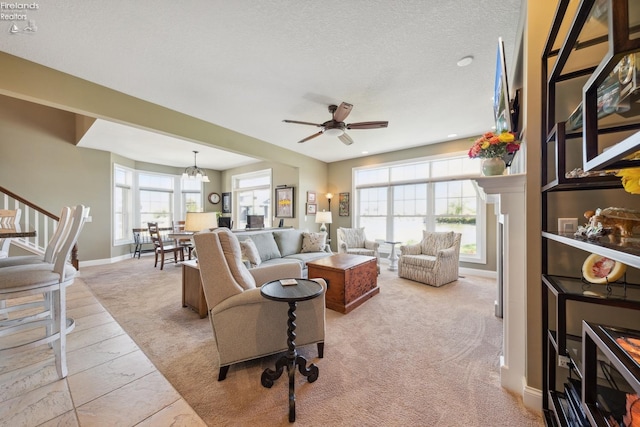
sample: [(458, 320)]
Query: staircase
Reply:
[(33, 218)]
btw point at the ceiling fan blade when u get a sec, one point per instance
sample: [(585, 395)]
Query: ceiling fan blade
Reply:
[(368, 125), (346, 139), (310, 137), (342, 112), (302, 123)]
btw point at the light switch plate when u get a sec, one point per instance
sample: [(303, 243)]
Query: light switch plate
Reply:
[(567, 225)]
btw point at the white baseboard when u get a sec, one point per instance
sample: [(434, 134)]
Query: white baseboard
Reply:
[(475, 272), (532, 398)]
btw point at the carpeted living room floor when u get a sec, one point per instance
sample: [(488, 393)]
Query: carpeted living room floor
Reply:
[(411, 355)]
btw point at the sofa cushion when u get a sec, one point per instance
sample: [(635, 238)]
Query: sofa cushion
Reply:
[(233, 255), (424, 261), (432, 242), (304, 258), (361, 251), (250, 252), (313, 242), (289, 241), (266, 244)]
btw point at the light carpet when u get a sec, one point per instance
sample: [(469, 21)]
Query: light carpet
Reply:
[(412, 355)]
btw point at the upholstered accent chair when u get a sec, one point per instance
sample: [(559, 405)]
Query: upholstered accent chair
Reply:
[(433, 261), (354, 241), (245, 324)]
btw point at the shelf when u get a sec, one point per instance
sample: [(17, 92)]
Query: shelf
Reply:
[(560, 182), (601, 401), (613, 158), (573, 288), (626, 251), (591, 59)]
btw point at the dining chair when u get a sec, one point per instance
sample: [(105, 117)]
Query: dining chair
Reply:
[(52, 246), (160, 249), (186, 243), (8, 218), (38, 294)]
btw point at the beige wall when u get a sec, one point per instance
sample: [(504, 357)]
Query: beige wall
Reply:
[(311, 178), (39, 162)]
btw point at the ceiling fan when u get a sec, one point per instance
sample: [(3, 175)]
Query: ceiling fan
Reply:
[(336, 126)]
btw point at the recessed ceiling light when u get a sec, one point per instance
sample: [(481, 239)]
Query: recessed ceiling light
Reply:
[(365, 152), (463, 62), (452, 135)]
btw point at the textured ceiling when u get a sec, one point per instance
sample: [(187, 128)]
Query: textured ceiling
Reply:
[(247, 65)]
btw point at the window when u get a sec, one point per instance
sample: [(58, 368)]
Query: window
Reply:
[(252, 196), (191, 196), (140, 197), (122, 204), (156, 198), (398, 201)]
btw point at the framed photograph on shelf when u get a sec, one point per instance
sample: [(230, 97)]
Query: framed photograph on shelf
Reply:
[(311, 197), (343, 204), (284, 202), (226, 202), (312, 208)]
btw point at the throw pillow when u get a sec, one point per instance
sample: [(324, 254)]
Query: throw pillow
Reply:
[(313, 242), (266, 244), (289, 241), (250, 252)]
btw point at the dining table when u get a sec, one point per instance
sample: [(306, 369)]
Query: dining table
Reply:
[(15, 231)]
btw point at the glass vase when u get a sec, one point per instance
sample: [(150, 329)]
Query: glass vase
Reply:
[(493, 166)]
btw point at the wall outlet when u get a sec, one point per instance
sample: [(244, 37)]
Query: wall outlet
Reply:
[(564, 362), (567, 225)]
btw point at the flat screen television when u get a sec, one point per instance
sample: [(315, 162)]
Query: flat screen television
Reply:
[(501, 99), (255, 221)]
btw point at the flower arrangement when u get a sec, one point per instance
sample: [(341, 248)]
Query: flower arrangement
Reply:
[(494, 145), (630, 180)]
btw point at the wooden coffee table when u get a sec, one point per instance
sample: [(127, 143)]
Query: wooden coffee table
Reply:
[(351, 279)]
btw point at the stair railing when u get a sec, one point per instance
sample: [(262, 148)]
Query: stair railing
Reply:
[(33, 217)]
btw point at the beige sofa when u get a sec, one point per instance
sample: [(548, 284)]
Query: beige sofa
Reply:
[(283, 245)]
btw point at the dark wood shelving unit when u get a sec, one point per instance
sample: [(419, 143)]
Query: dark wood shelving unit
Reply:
[(597, 35)]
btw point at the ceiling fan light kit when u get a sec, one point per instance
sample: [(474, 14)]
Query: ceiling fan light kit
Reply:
[(336, 126)]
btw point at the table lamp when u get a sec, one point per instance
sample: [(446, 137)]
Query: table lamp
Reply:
[(323, 217), (199, 221)]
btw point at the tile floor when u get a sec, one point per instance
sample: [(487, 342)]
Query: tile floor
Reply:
[(110, 382)]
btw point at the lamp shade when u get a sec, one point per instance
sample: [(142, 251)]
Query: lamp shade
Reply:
[(323, 217), (198, 221)]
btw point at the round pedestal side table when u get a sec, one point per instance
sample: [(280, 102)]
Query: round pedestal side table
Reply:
[(291, 291)]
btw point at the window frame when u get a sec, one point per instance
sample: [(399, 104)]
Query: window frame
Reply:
[(429, 219), (178, 200)]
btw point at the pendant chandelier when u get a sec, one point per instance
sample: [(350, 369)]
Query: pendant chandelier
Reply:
[(194, 172)]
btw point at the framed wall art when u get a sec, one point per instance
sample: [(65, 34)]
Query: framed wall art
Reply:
[(284, 202), (311, 197), (226, 202), (312, 208), (343, 204)]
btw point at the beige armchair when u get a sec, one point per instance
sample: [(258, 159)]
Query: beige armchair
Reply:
[(353, 241), (245, 324), (433, 261)]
